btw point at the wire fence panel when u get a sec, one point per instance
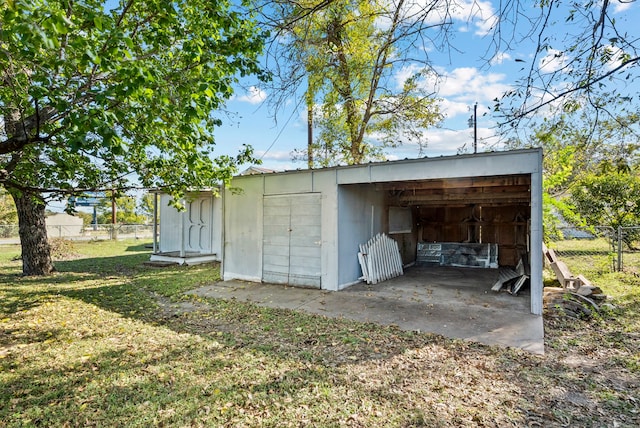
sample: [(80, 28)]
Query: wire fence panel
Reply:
[(600, 248), (629, 249), (9, 232), (591, 249)]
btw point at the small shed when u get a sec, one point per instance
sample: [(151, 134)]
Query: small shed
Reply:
[(63, 225), (304, 227), (189, 236)]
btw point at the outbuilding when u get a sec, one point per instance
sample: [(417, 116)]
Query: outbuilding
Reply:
[(304, 227), (190, 235), (63, 225)]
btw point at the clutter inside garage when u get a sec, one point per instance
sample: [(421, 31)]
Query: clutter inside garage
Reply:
[(479, 222)]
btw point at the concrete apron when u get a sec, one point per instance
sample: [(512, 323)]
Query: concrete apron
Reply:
[(454, 302)]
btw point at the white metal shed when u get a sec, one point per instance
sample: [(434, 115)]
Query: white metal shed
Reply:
[(304, 227)]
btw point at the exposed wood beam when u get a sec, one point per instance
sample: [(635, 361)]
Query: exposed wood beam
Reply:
[(460, 204), (471, 182)]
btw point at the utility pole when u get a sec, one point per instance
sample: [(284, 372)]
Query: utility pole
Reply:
[(473, 121), (310, 135), (309, 96), (475, 128)]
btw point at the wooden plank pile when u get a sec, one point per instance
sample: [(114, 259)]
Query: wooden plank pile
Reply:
[(380, 259), (576, 298), (563, 274), (511, 279)]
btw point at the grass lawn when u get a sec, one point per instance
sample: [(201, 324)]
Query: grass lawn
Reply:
[(107, 341)]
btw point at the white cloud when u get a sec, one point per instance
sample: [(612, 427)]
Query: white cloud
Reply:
[(464, 86), (554, 60), (445, 142), (621, 6), (499, 58), (274, 155), (278, 160), (477, 14), (405, 73), (615, 56), (459, 88), (254, 95), (454, 108)]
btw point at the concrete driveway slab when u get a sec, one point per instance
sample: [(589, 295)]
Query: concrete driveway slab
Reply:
[(454, 302)]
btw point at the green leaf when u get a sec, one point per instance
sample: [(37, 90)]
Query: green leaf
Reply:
[(97, 21)]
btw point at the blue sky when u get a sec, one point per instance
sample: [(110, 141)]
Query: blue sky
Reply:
[(469, 79)]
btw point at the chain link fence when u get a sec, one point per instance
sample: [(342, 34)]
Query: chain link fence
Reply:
[(629, 249), (600, 248), (9, 232)]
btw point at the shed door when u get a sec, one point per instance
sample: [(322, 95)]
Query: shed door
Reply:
[(198, 225), (291, 244)]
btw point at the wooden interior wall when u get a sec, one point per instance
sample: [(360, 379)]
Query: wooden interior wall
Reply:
[(504, 225), (479, 209)]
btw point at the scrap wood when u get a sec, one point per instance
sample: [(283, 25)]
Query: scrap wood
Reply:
[(589, 291), (504, 275), (507, 275), (560, 301), (515, 288), (563, 274), (380, 259)]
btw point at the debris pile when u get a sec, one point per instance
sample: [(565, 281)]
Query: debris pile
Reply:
[(380, 259), (576, 298), (581, 304), (512, 279)]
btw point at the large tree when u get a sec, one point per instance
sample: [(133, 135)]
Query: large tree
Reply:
[(92, 97), (610, 197), (582, 55), (347, 54), (575, 54)]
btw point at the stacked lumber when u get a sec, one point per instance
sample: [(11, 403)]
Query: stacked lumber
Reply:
[(563, 274), (380, 259), (576, 298)]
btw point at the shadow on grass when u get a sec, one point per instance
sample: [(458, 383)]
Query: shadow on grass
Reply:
[(114, 265), (238, 357), (164, 386), (145, 246)]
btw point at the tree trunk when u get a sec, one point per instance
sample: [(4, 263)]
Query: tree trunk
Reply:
[(36, 252)]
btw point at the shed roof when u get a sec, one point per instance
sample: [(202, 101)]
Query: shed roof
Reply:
[(507, 162)]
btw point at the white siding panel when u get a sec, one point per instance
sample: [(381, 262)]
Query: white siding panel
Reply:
[(277, 262)]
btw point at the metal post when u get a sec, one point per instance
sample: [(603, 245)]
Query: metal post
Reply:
[(182, 225), (155, 222), (114, 234), (309, 133), (619, 248)]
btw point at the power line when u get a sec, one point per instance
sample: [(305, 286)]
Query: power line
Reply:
[(295, 110)]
